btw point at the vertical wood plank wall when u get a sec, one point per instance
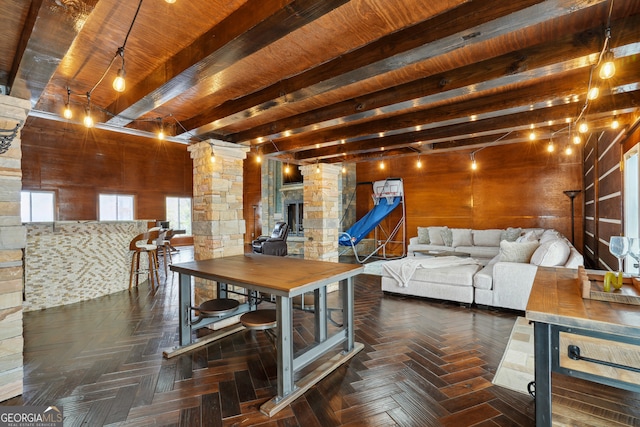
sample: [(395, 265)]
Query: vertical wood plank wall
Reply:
[(604, 195), (78, 164)]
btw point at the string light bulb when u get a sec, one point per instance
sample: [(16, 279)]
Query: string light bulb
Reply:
[(344, 169), (474, 165), (119, 83), (317, 167), (532, 134), (568, 151), (577, 140), (608, 67), (419, 163), (381, 165), (583, 127), (258, 158), (550, 147), (170, 1), (286, 169), (593, 93), (88, 120), (67, 113), (615, 124)]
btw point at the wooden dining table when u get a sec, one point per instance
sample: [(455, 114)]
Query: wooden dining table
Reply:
[(284, 278), (591, 339)]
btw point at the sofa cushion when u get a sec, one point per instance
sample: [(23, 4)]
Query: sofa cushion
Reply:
[(517, 251), (489, 237), (447, 237), (461, 237), (549, 235), (484, 278), (551, 253), (575, 259), (486, 252), (459, 275), (423, 236), (511, 234), (435, 235)]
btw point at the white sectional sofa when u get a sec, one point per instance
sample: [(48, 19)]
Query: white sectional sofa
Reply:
[(507, 261)]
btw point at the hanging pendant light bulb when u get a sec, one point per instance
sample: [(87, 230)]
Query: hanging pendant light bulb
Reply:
[(608, 67), (344, 169), (67, 113), (317, 167), (583, 127), (118, 83), (170, 1), (88, 120), (577, 140), (474, 165), (258, 158), (419, 163), (286, 169), (381, 165), (568, 151), (593, 93), (550, 147), (161, 134), (615, 124)]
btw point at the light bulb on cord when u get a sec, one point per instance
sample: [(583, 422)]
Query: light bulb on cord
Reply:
[(170, 1), (419, 163), (568, 151), (88, 120), (344, 169), (67, 106), (608, 67), (67, 113), (118, 83), (550, 147), (593, 93), (615, 124), (161, 135), (577, 140), (583, 127), (258, 158), (381, 164), (286, 169)]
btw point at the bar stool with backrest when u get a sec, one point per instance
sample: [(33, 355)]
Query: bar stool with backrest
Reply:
[(144, 243)]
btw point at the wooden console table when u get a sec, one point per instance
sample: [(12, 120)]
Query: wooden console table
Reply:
[(594, 340)]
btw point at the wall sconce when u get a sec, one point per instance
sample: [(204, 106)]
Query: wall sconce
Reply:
[(6, 138)]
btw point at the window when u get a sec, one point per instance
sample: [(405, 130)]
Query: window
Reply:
[(115, 207), (37, 206), (179, 213), (631, 203)]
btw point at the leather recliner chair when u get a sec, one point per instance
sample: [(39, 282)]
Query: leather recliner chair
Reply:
[(276, 244)]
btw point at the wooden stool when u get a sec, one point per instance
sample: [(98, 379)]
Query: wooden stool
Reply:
[(138, 245), (215, 308), (261, 320)]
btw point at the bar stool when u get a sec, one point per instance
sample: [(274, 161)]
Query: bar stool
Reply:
[(261, 320), (142, 243)]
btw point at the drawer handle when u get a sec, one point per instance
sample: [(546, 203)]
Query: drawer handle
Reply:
[(574, 354)]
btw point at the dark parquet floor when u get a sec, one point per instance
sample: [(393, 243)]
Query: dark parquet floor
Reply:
[(425, 363)]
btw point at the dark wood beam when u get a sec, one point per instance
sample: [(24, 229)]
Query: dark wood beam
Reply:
[(451, 30), (252, 27), (43, 44), (494, 126), (433, 88)]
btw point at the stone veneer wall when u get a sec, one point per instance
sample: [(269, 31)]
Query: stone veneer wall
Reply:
[(13, 111), (68, 262), (322, 206), (218, 222)]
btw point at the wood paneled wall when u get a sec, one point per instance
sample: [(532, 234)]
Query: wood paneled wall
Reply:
[(517, 185), (604, 194), (78, 164), (252, 198)]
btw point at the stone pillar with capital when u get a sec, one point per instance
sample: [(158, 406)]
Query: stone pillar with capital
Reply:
[(218, 222), (13, 112), (321, 211)]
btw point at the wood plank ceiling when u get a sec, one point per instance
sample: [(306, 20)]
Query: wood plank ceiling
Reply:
[(331, 81)]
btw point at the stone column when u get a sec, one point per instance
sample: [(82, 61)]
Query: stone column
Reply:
[(218, 223), (321, 211), (13, 111)]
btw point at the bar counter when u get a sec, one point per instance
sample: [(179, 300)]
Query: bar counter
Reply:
[(71, 261)]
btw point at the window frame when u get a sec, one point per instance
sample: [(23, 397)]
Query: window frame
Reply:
[(118, 196), (30, 193), (189, 229)]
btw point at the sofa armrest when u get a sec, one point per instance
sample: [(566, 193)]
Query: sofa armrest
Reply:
[(413, 240), (512, 283)]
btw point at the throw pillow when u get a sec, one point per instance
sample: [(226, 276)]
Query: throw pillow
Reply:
[(423, 236), (461, 237), (517, 251), (529, 236), (551, 253), (435, 235), (447, 236), (511, 234)]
